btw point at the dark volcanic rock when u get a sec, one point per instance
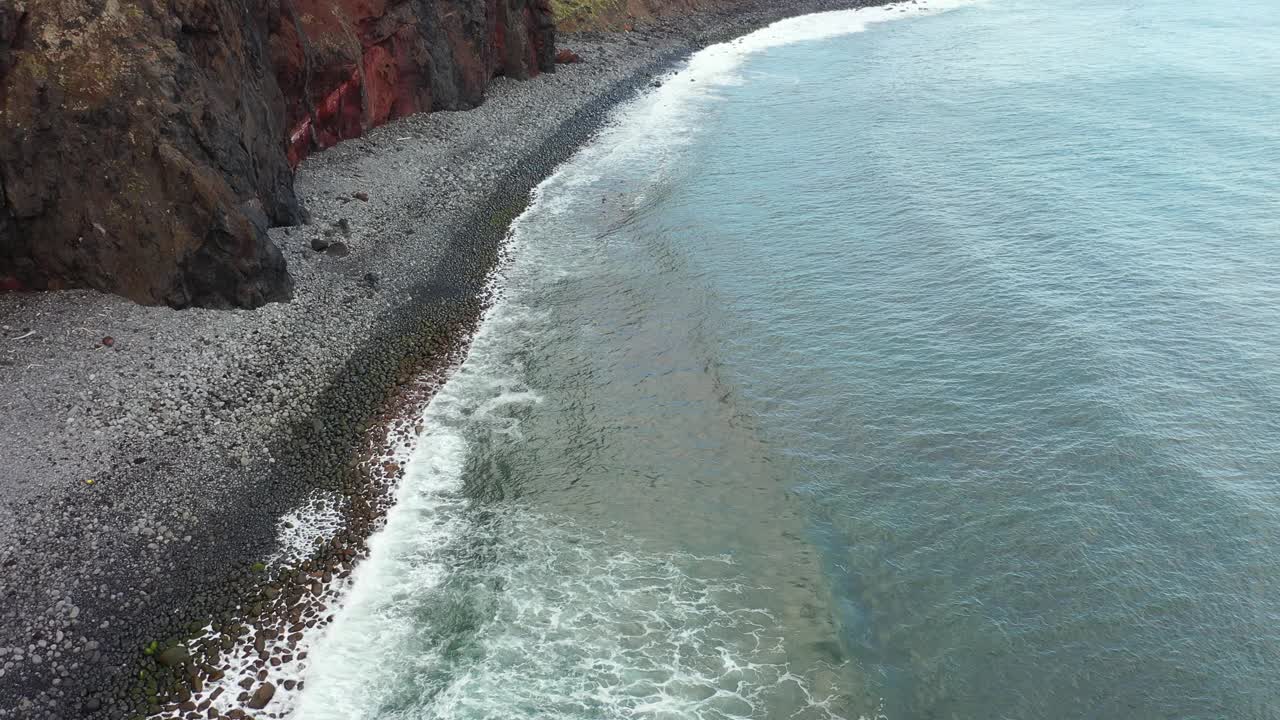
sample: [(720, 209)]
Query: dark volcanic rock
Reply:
[(140, 150), (262, 696), (146, 145), (174, 656)]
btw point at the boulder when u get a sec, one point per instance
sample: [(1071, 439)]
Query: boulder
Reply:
[(173, 656), (262, 696)]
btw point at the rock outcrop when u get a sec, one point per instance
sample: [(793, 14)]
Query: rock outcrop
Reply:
[(573, 15), (140, 150), (347, 66), (146, 145)]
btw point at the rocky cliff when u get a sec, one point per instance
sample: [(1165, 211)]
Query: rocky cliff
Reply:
[(146, 145), (574, 15)]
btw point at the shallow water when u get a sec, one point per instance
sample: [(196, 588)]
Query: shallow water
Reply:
[(922, 368)]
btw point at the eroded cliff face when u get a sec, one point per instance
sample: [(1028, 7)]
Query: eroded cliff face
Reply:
[(139, 150), (574, 15), (354, 64), (146, 145)]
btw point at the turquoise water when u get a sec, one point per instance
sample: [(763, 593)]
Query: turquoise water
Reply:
[(923, 368)]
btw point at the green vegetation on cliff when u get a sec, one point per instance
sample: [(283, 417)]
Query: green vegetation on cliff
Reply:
[(585, 14)]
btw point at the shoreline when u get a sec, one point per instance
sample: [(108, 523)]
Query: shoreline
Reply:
[(245, 414)]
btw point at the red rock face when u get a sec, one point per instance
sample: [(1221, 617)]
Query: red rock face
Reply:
[(145, 145), (347, 66)]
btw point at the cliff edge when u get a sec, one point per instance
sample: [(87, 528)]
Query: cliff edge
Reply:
[(147, 145)]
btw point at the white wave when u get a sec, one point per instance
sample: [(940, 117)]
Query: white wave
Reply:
[(557, 623), (378, 615), (297, 532), (243, 665), (379, 633), (548, 620), (717, 63), (588, 627), (654, 128)]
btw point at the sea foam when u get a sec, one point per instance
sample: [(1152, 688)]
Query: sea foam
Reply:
[(559, 622)]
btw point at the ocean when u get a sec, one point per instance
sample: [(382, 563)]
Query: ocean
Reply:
[(909, 362)]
